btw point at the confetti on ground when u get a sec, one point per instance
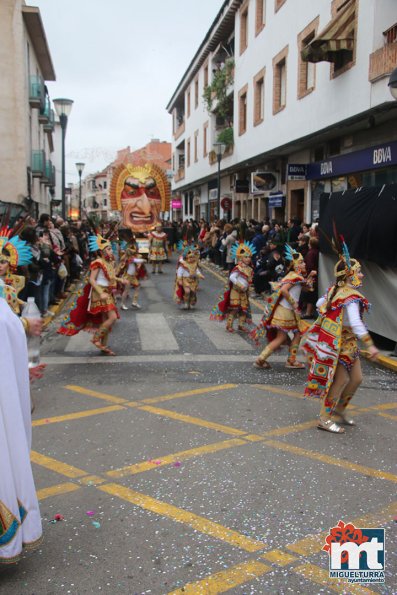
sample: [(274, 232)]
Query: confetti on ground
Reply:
[(96, 524)]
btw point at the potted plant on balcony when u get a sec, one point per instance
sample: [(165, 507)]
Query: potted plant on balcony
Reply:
[(215, 95)]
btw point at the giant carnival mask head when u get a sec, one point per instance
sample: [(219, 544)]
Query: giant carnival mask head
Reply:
[(141, 193)]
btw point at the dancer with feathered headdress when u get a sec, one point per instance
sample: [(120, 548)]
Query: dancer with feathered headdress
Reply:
[(95, 307), (282, 312), (188, 275), (234, 303), (332, 341)]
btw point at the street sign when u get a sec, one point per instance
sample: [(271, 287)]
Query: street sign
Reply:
[(296, 171), (226, 203)]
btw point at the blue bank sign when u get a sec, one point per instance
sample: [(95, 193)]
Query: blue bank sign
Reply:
[(296, 171), (372, 158)]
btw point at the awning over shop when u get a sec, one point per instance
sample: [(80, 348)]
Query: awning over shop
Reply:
[(336, 38)]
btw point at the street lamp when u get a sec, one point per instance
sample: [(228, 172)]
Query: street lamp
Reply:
[(393, 83), (80, 167), (219, 149), (63, 107)]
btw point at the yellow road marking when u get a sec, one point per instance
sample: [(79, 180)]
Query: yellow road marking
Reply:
[(317, 456), (312, 544), (57, 466), (291, 429), (388, 415), (183, 516), (77, 415), (188, 393), (178, 456), (94, 393), (91, 480), (278, 391), (278, 557), (321, 577), (60, 488), (194, 420), (224, 580)]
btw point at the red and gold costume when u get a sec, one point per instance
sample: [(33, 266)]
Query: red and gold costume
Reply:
[(332, 342), (131, 269), (282, 314), (187, 279), (158, 243), (92, 305), (235, 301)]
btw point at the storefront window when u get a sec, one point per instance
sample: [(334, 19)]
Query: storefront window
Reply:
[(317, 187)]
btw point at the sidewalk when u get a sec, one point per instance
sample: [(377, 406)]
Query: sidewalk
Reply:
[(56, 309), (384, 358)]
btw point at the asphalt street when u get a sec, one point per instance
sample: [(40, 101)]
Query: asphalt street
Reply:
[(177, 467)]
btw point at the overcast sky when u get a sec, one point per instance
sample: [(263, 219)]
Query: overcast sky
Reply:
[(120, 61)]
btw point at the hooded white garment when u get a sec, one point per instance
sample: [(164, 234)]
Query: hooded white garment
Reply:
[(20, 522)]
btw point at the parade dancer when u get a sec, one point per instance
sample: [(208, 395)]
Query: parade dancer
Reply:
[(94, 307), (14, 252), (235, 301), (282, 313), (131, 269), (335, 370), (157, 248), (187, 277)]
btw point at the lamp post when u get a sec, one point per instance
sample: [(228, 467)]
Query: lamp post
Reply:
[(80, 167), (219, 149), (63, 107), (392, 84)]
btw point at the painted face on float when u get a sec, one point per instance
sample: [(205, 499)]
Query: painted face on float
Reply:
[(141, 204)]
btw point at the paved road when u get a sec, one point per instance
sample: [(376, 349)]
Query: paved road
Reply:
[(180, 468)]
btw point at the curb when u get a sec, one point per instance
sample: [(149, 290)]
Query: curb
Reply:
[(58, 308)]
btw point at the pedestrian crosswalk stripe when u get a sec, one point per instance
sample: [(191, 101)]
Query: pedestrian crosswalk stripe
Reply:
[(220, 338), (80, 342), (155, 333)]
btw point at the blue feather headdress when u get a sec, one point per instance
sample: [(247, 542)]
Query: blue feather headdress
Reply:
[(238, 250), (97, 242), (20, 253)]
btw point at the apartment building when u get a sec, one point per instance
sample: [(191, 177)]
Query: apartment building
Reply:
[(27, 172), (297, 93)]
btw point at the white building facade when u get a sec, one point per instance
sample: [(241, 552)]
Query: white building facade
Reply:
[(27, 172), (308, 107)]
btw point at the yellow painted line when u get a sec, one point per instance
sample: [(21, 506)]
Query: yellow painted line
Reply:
[(91, 480), (321, 577), (224, 580), (178, 456), (189, 393), (57, 466), (194, 420), (384, 407), (60, 488), (278, 391), (388, 416), (77, 415), (280, 558), (254, 438), (94, 393), (183, 516), (312, 544), (291, 429), (332, 460)]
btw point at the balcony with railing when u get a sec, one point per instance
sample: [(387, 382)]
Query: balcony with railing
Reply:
[(50, 124), (36, 92), (38, 164), (179, 174), (382, 62), (49, 173), (44, 113)]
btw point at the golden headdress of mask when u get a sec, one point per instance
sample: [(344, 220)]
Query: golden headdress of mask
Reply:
[(141, 173)]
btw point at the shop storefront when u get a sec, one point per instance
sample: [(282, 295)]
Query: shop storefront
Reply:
[(373, 166)]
